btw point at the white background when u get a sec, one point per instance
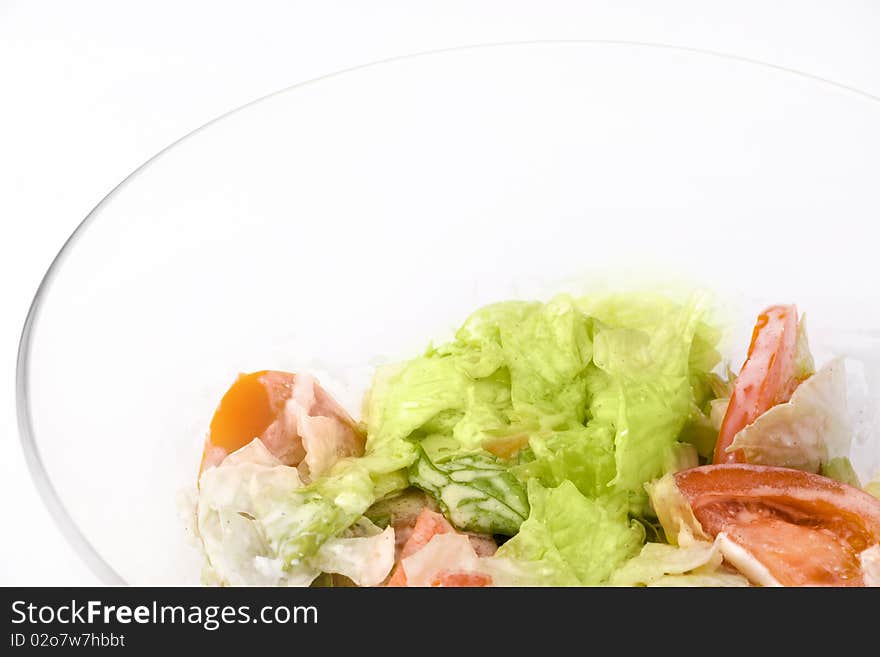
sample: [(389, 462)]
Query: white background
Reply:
[(89, 90)]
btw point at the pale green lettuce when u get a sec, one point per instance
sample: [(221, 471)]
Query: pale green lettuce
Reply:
[(841, 469), (600, 389), (643, 352), (476, 491), (298, 522), (572, 540), (659, 564), (873, 486), (596, 395)]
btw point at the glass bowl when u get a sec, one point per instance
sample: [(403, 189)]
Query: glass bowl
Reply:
[(347, 220)]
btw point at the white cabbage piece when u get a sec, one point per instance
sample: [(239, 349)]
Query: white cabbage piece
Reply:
[(745, 562), (233, 530), (366, 560), (235, 546), (812, 428), (674, 513), (717, 411), (870, 561), (873, 486), (863, 400), (861, 348)]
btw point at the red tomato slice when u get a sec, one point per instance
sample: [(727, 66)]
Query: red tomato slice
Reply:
[(766, 379), (428, 525), (807, 530)]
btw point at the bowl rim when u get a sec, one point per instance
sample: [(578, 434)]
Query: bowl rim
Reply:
[(39, 474)]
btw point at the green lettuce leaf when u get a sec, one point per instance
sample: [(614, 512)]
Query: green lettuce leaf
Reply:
[(658, 564), (298, 522), (674, 512), (601, 389), (513, 367), (586, 399), (804, 366), (572, 540), (247, 540), (841, 469), (873, 486), (583, 456), (652, 372), (474, 490)]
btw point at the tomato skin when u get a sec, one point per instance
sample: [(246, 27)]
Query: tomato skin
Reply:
[(456, 579), (804, 528), (290, 413), (428, 525), (250, 406), (766, 379)]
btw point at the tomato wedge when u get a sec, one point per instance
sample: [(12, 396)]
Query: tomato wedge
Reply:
[(252, 405), (296, 419), (805, 529), (428, 525), (766, 379)]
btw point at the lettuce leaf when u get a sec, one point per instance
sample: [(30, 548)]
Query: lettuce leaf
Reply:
[(474, 490), (240, 506), (585, 399), (811, 429), (651, 376), (873, 486), (512, 367), (599, 388), (583, 456), (841, 469), (298, 522), (658, 564), (572, 540), (718, 578), (365, 560), (679, 523), (235, 546), (804, 366)]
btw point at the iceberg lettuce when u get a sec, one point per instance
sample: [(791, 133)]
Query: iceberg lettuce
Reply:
[(246, 540), (570, 539), (596, 391), (541, 421), (475, 491), (659, 564)]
